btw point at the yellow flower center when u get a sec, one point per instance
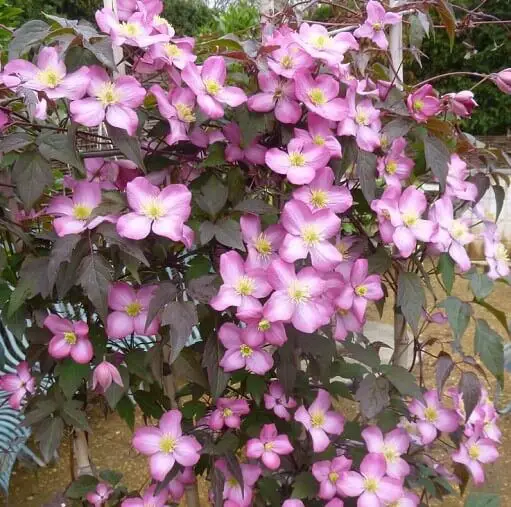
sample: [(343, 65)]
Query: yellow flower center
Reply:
[(172, 50), (474, 452), (130, 29), (458, 229), (244, 286), (390, 454), (286, 62), (320, 41), (391, 167), (81, 211), (342, 312), (377, 27), (319, 198), (310, 235), (299, 292), (158, 20), (319, 140), (410, 219), (227, 412), (212, 86), (263, 245), (245, 351), (361, 290), (167, 444), (232, 482), (108, 94), (185, 113), (316, 96), (430, 414), (317, 419), (371, 485), (133, 309), (362, 118), (333, 477), (296, 159), (268, 446), (70, 337), (501, 253), (49, 78), (418, 105), (153, 209), (264, 325)]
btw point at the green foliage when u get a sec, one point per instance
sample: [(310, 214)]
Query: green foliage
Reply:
[(9, 18), (189, 17), (239, 17)]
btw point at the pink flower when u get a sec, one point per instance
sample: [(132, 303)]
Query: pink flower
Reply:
[(391, 447), (309, 233), (48, 76), (297, 297), (319, 421), (253, 153), (228, 413), (130, 310), (70, 339), (371, 485), (269, 447), (277, 401), (232, 488), (75, 213), (207, 82), (460, 103), (335, 502), (104, 374), (293, 503), (166, 445), (320, 95), (100, 495), (18, 384), (321, 193), (242, 286), (433, 417), (262, 246), (320, 133), (288, 59), (362, 121), (456, 184), (244, 349), (359, 289), (495, 252), (374, 25), (149, 499), (395, 167), (423, 103), (273, 333), (176, 53), (277, 94), (162, 211), (114, 101), (407, 499), (300, 163), (125, 8), (329, 474), (503, 80), (474, 453), (346, 322), (4, 120)]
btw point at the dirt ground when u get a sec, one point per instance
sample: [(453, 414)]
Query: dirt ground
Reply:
[(110, 437)]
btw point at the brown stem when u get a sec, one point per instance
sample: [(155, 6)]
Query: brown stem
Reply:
[(82, 463)]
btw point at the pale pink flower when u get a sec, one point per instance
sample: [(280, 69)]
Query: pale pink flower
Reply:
[(162, 211), (125, 8), (320, 421), (176, 53), (276, 94), (166, 445), (269, 447), (114, 101), (503, 80), (335, 502), (297, 297), (320, 132), (233, 492), (18, 384), (70, 338), (100, 171), (130, 310), (460, 103), (321, 193), (308, 233), (395, 167), (374, 26), (104, 374), (242, 286), (149, 499), (235, 150), (495, 252), (228, 413), (207, 82), (456, 184), (407, 499), (288, 59), (423, 103), (100, 495), (329, 474), (293, 503), (372, 487), (4, 120), (244, 349), (275, 399), (273, 333), (346, 322), (301, 161)]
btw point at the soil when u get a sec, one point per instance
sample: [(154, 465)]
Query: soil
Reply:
[(109, 441)]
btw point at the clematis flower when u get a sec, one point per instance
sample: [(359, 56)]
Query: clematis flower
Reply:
[(176, 487), (423, 103), (321, 193), (130, 311), (293, 503), (125, 8), (346, 322), (273, 333), (228, 413), (335, 502), (166, 445), (371, 485), (242, 286), (288, 59), (328, 474), (474, 453), (262, 246), (100, 495), (407, 499), (320, 95), (269, 447), (177, 53), (374, 26), (104, 374), (432, 417), (275, 399), (70, 338), (207, 82), (495, 252), (149, 499), (49, 75), (162, 211), (391, 447), (300, 163), (114, 101), (456, 184), (461, 103), (503, 80), (18, 384), (309, 233), (235, 151), (297, 297), (362, 121), (244, 349), (395, 167), (359, 289), (232, 488), (277, 94), (320, 133)]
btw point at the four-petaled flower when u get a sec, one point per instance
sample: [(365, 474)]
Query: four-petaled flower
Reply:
[(18, 384), (269, 447), (71, 338)]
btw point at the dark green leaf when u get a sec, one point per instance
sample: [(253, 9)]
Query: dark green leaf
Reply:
[(498, 314), (61, 252), (373, 395), (480, 283), (437, 158), (26, 36), (148, 403), (402, 380), (305, 486), (269, 490), (470, 388), (181, 317), (129, 145), (228, 233), (366, 172), (446, 269), (256, 387), (126, 410), (500, 195), (483, 500), (101, 48), (396, 128), (81, 486), (206, 232), (255, 206), (74, 415), (380, 261), (15, 141), (446, 13), (365, 355), (217, 377), (128, 246), (111, 476), (287, 368), (115, 393), (411, 298), (31, 175), (50, 436), (488, 344), (70, 376), (165, 293), (60, 147), (444, 366), (458, 315), (216, 156), (203, 288), (212, 197)]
